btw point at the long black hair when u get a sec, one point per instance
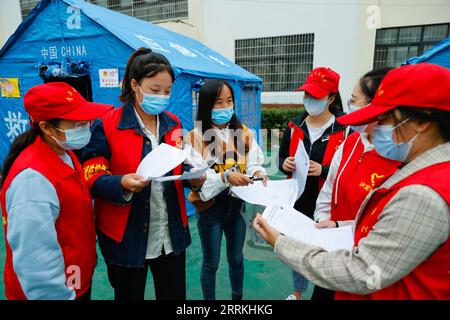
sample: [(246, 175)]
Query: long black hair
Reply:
[(208, 95), (143, 63), (19, 144), (336, 107)]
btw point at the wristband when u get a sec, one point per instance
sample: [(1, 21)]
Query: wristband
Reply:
[(225, 176)]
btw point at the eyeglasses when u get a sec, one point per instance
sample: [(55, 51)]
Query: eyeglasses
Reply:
[(352, 102)]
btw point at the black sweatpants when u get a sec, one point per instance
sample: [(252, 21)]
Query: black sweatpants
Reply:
[(169, 278)]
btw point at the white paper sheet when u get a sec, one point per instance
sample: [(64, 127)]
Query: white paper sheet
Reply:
[(160, 160), (301, 168), (277, 191), (193, 174), (293, 223)]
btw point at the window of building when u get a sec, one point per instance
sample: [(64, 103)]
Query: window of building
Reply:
[(282, 62), (395, 45), (26, 6), (147, 10)]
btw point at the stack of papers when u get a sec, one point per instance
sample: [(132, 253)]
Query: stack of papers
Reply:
[(293, 223), (277, 191), (285, 192), (279, 198)]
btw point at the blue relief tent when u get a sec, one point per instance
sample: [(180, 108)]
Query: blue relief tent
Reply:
[(73, 38), (438, 54), (78, 41)]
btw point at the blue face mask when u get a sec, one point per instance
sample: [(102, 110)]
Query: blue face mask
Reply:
[(76, 138), (385, 145), (153, 103), (313, 106), (359, 129), (222, 116)]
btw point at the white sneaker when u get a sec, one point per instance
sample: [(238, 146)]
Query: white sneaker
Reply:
[(291, 297)]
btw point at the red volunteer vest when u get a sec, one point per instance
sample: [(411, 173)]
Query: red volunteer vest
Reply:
[(431, 278), (75, 224), (357, 175), (126, 152), (333, 144)]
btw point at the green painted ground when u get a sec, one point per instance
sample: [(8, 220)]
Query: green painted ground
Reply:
[(265, 276)]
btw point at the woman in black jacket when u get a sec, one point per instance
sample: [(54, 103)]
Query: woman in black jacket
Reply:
[(321, 135)]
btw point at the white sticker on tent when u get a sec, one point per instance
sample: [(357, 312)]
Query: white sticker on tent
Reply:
[(152, 44), (74, 20), (184, 51), (109, 78), (16, 124), (218, 61)]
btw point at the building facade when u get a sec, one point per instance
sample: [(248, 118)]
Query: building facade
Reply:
[(282, 40)]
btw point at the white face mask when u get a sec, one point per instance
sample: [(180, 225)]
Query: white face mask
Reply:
[(352, 107), (359, 129)]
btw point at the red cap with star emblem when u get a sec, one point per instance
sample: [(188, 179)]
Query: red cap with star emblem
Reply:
[(422, 85), (58, 100), (321, 82)]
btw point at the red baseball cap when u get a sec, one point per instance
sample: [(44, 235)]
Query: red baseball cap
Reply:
[(321, 82), (59, 100), (422, 85)]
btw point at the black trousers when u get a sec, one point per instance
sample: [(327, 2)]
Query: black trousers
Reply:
[(323, 294), (169, 278), (86, 296)]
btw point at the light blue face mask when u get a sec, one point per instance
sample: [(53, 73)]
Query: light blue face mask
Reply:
[(387, 147), (153, 103), (222, 116), (313, 106), (359, 129), (76, 138)]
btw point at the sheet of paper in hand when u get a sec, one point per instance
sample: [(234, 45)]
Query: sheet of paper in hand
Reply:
[(301, 168), (277, 191), (193, 174), (160, 160)]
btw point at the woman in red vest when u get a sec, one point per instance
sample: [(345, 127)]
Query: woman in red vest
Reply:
[(402, 246), (320, 134), (140, 225), (46, 205), (356, 168)]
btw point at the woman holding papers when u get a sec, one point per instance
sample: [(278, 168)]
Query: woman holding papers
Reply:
[(402, 244), (140, 223), (236, 158), (318, 132), (356, 168), (46, 206)]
